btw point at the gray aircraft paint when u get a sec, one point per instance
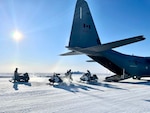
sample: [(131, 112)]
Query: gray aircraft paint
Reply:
[(84, 39), (83, 27)]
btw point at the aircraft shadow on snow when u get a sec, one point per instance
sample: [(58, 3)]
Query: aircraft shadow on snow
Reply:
[(144, 82), (107, 85), (15, 84), (147, 100)]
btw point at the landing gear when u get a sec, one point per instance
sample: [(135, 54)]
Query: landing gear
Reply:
[(117, 78), (114, 78), (136, 77)]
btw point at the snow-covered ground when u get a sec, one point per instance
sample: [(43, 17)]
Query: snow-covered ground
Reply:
[(37, 96)]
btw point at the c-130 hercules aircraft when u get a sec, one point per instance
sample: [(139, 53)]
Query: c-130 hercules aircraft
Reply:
[(84, 39)]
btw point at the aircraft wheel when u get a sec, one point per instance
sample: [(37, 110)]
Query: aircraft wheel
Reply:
[(116, 80), (139, 78), (134, 77)]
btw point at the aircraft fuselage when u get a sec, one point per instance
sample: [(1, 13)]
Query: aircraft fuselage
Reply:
[(116, 62), (84, 39)]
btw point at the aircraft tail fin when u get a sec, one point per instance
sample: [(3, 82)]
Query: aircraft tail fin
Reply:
[(83, 33), (84, 38)]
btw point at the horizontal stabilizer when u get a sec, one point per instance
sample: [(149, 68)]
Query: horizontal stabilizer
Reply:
[(107, 46), (71, 53), (122, 42)]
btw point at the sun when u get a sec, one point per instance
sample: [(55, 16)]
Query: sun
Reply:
[(17, 36)]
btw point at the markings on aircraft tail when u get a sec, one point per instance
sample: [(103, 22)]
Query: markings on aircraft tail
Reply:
[(80, 12), (87, 26)]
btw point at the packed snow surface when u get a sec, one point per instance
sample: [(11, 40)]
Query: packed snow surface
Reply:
[(37, 96)]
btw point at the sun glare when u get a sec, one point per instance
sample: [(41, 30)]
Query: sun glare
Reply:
[(17, 36)]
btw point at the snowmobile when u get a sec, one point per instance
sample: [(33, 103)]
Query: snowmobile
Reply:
[(55, 79), (68, 75), (87, 77), (21, 78)]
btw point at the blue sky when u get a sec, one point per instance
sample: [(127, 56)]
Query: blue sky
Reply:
[(46, 25)]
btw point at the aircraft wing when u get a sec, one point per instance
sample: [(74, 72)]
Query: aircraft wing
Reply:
[(100, 48)]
